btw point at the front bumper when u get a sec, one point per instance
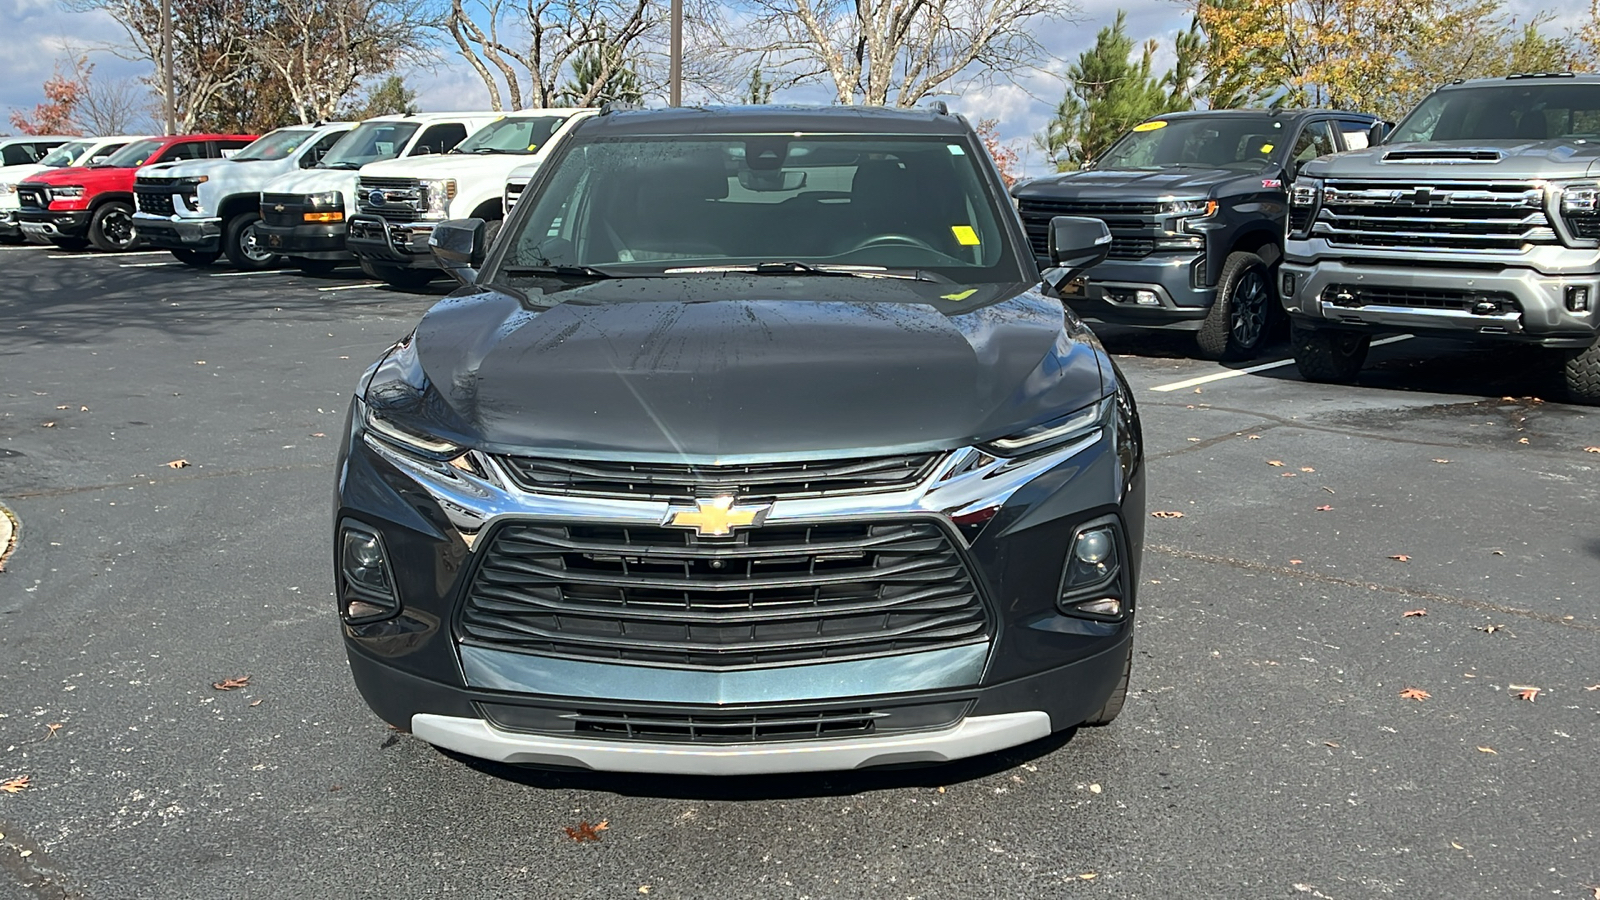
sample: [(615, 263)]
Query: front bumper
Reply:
[(392, 243), (1175, 282), (10, 224), (47, 224), (315, 241), (1541, 317), (176, 233)]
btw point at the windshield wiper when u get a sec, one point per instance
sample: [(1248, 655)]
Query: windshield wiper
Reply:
[(789, 267), (589, 272), (343, 166)]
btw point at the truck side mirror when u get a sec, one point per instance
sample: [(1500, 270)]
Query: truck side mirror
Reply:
[(459, 247), (1378, 132), (1076, 244)]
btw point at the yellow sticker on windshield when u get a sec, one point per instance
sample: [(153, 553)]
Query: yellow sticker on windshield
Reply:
[(965, 236), (532, 147), (961, 296), (1266, 148), (1149, 126)]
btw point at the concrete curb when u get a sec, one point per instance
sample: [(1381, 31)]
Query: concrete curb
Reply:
[(10, 533)]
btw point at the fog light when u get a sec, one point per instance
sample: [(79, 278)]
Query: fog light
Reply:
[(1578, 298), (1288, 285), (1109, 606), (1146, 298), (368, 588), (1093, 582), (1093, 547), (364, 548)]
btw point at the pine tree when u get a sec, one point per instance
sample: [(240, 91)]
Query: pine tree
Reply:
[(1107, 94), (760, 91), (390, 97), (588, 70)]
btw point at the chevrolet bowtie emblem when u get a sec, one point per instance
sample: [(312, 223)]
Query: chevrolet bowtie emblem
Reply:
[(278, 208), (717, 517)]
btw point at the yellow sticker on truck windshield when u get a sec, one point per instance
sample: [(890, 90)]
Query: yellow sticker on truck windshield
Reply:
[(1266, 148), (965, 236), (1150, 126)]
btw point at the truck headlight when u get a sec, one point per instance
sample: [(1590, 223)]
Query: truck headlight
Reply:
[(438, 192), (7, 188), (325, 200), (67, 192), (1580, 209), (1304, 193), (1053, 433), (1304, 196)]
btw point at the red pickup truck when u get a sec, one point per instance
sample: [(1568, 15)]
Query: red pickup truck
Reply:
[(82, 205)]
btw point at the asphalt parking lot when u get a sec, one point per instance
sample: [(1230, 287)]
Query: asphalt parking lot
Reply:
[(1266, 749)]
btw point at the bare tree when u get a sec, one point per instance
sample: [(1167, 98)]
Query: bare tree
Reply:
[(522, 49), (892, 52), (322, 49), (115, 106)]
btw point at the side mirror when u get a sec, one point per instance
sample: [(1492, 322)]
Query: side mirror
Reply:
[(1378, 132), (1076, 244), (459, 247), (96, 160)]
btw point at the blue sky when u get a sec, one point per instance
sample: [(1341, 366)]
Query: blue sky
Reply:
[(38, 31)]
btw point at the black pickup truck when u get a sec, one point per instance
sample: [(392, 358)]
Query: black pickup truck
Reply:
[(1196, 204)]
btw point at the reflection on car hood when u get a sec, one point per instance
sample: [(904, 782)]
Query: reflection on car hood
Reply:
[(1497, 160), (1134, 184), (716, 368)]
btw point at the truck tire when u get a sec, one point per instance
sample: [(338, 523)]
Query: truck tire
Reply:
[(1582, 373), (398, 277), (314, 266), (1327, 355), (1236, 326), (1113, 707), (111, 228), (243, 247), (196, 259)]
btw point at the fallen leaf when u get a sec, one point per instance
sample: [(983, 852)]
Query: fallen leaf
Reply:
[(1525, 693), (199, 362), (1498, 552), (1489, 750), (1275, 462), (1400, 556), (1457, 846), (1328, 489), (1290, 475), (1095, 789), (585, 832), (1413, 613), (1490, 629), (1194, 440), (1324, 508), (178, 464), (49, 425), (1593, 450), (1197, 390), (1414, 694), (83, 409), (1593, 687), (256, 702), (53, 728), (318, 434), (1296, 562), (232, 683), (15, 785), (1088, 876), (1329, 744), (1442, 462), (1167, 514), (63, 406), (1253, 437), (644, 888), (1522, 440), (1307, 469)]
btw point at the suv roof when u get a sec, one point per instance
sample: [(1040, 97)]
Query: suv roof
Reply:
[(739, 119), (1524, 77), (431, 116), (1275, 113)]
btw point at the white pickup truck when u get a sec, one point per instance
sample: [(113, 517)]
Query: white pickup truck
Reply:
[(203, 209), (80, 152), (399, 202), (304, 212)]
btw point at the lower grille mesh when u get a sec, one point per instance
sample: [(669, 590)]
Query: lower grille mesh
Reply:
[(771, 594)]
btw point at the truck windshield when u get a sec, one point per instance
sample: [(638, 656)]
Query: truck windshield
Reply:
[(812, 205), (277, 145), (1213, 142), (1515, 111), (370, 142), (132, 155), (65, 154), (513, 135)]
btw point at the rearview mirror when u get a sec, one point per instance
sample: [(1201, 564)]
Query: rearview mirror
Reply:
[(771, 180), (459, 247)]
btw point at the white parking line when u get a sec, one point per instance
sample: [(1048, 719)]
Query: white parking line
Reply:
[(34, 247), (1250, 370), (269, 272), (350, 287), (144, 265), (91, 255)]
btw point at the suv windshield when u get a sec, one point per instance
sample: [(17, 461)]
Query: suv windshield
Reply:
[(276, 145), (64, 154), (1515, 111), (1213, 142), (520, 135), (369, 142), (818, 204), (132, 155)]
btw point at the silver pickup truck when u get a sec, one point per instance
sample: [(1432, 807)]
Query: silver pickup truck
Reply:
[(1478, 218)]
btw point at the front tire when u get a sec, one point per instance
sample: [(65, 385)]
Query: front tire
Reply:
[(1328, 356), (243, 244), (196, 259), (1113, 707), (1236, 326), (111, 228), (1582, 373), (398, 277)]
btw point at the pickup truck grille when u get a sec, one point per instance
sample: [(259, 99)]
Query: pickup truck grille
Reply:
[(154, 196), (396, 199), (1488, 217), (757, 481), (1133, 226), (514, 191), (776, 593), (1483, 302), (283, 210), (31, 197)]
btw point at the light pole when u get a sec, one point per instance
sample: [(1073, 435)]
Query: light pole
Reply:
[(166, 64), (675, 67)]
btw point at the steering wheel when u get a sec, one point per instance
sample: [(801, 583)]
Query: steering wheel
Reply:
[(900, 239)]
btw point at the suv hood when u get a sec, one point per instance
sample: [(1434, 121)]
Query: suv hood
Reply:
[(1123, 184), (1463, 160), (716, 368), (448, 165)]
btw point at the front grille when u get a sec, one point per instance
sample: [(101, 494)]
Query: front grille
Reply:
[(30, 197), (154, 197), (1094, 209), (1132, 225), (725, 729), (1499, 217), (1130, 248), (514, 193), (1585, 227), (763, 481), (283, 210), (1299, 218), (402, 199), (777, 593), (1483, 302)]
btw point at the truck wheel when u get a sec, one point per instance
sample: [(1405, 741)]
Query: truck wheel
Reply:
[(1236, 327), (243, 244), (1108, 713), (69, 243), (111, 228), (315, 266), (1326, 355), (398, 276), (1583, 376), (196, 259)]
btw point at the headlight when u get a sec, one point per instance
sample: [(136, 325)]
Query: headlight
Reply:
[(1192, 208), (66, 192), (1066, 429), (1304, 193), (325, 200), (406, 439), (1580, 199), (438, 192), (192, 180), (7, 188)]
